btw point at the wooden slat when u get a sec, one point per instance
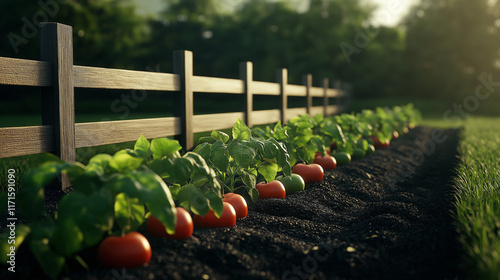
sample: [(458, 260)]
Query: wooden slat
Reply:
[(217, 85), (331, 92), (265, 88), (266, 116), (296, 90), (103, 133), (293, 112), (29, 140), (95, 77), (23, 72), (332, 110), (202, 123), (317, 92), (316, 110)]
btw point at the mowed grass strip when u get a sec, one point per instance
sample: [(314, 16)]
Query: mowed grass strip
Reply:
[(478, 197)]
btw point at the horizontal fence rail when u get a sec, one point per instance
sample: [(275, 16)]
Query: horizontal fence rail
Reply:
[(56, 75)]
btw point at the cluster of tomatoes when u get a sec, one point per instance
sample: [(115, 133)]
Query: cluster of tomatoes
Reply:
[(134, 250)]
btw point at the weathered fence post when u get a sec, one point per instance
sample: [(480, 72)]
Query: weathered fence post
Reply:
[(282, 79), (58, 101), (246, 74), (183, 66), (325, 85), (307, 80)]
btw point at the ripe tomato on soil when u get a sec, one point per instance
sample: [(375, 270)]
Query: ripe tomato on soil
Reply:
[(238, 202), (227, 219), (130, 250), (183, 228), (327, 162), (378, 144), (274, 189), (309, 172)]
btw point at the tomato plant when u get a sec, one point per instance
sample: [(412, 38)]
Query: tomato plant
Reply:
[(240, 161), (183, 227), (292, 183), (327, 162), (130, 250), (227, 219), (309, 172), (274, 189), (238, 202)]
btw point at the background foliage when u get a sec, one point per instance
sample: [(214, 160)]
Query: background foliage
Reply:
[(439, 50)]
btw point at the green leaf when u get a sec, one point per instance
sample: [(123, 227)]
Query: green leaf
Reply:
[(198, 163), (248, 179), (206, 140), (220, 135), (67, 238), (129, 212), (155, 194), (93, 214), (123, 161), (151, 190), (204, 150), (220, 156), (142, 147), (191, 198), (242, 154), (164, 147), (174, 191), (240, 131), (270, 150), (21, 232), (268, 170), (215, 203), (180, 170), (50, 261), (99, 164), (254, 194)]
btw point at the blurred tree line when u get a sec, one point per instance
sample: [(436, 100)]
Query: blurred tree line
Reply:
[(441, 49)]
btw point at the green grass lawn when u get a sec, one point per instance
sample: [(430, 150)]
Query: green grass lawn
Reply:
[(478, 196)]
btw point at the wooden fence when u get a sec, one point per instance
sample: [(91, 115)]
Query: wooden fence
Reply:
[(57, 77)]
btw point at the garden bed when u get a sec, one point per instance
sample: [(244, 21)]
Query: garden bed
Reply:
[(384, 216)]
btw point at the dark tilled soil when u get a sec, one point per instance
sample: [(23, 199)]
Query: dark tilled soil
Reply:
[(386, 216)]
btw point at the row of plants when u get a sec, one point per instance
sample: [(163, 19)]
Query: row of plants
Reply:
[(170, 193)]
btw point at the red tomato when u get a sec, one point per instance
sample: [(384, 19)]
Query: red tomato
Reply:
[(310, 172), (274, 189), (130, 250), (238, 202), (183, 228), (327, 162), (377, 143), (227, 219)]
